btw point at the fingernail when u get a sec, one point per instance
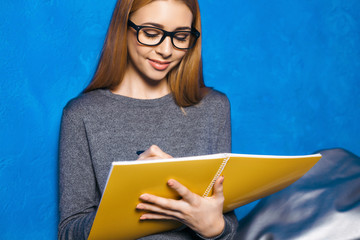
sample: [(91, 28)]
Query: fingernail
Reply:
[(144, 197), (139, 206), (170, 183), (222, 179)]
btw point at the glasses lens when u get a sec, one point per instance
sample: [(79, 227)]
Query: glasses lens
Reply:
[(184, 40), (150, 36)]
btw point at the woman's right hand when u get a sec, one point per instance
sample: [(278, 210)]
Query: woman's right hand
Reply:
[(154, 152)]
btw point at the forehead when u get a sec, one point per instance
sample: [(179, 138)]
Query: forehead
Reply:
[(170, 14)]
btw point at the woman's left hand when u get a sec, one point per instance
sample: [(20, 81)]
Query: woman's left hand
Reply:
[(202, 214)]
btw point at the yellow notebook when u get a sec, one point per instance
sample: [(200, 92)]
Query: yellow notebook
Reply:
[(247, 178)]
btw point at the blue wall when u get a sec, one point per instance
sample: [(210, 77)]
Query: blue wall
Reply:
[(290, 68)]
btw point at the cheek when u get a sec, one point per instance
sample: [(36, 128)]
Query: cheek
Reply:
[(140, 51), (131, 48), (135, 49), (180, 55)]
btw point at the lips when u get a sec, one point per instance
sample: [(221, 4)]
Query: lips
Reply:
[(159, 65)]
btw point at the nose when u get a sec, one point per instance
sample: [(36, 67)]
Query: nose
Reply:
[(165, 49)]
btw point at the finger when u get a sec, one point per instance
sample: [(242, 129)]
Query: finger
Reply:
[(154, 216), (218, 188), (165, 203), (147, 158), (183, 191), (157, 210), (146, 155), (154, 152)]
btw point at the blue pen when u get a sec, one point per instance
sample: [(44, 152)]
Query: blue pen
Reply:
[(139, 152)]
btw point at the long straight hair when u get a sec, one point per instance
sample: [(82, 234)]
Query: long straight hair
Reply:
[(185, 80)]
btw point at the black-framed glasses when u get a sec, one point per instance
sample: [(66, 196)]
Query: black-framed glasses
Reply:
[(153, 36)]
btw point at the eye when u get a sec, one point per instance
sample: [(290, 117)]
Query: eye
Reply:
[(151, 32), (182, 36)]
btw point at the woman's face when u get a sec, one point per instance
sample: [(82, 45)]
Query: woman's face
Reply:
[(155, 62)]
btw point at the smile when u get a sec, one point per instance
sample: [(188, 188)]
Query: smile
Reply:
[(159, 65)]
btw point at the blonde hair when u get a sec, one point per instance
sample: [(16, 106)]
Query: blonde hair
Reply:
[(185, 80)]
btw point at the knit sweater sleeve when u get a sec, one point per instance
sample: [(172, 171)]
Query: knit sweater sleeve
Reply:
[(78, 191), (223, 145)]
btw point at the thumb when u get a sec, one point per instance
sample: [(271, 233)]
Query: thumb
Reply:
[(218, 188)]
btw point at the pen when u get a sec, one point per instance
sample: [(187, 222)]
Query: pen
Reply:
[(139, 152)]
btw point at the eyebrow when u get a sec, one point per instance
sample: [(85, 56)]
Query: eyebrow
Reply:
[(162, 27)]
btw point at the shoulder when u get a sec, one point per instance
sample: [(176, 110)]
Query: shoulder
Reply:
[(216, 99), (84, 103), (214, 105)]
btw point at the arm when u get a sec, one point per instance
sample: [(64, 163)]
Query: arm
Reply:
[(78, 191), (223, 142), (224, 146)]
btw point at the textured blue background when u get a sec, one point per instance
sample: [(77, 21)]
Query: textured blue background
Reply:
[(290, 68)]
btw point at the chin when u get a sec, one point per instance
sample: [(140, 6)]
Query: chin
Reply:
[(156, 80), (157, 76)]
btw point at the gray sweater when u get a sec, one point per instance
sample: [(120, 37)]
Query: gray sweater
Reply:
[(100, 127)]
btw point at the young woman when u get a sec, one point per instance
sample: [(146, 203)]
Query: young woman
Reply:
[(147, 94)]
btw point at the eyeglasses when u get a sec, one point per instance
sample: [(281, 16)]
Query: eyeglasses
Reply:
[(153, 36)]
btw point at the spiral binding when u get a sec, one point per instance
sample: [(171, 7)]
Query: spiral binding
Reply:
[(218, 173)]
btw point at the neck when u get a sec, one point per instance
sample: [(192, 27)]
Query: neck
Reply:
[(139, 87)]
